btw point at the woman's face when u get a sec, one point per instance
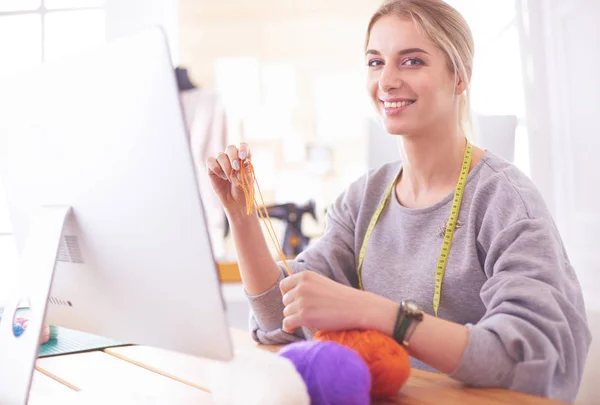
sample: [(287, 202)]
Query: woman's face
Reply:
[(409, 81)]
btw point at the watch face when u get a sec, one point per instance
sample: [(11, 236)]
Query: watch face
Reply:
[(411, 308)]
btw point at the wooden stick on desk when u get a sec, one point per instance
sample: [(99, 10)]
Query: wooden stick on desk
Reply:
[(99, 372), (43, 384), (57, 379), (46, 390), (193, 371), (132, 360)]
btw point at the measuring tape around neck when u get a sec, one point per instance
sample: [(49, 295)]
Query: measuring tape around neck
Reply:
[(448, 235)]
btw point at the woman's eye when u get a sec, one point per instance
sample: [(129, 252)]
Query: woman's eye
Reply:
[(413, 62), (375, 62)]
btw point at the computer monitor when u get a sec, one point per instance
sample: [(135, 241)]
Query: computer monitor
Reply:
[(99, 139)]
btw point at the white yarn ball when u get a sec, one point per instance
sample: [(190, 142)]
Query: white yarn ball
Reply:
[(258, 377)]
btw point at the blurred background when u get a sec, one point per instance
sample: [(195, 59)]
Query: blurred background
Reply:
[(288, 78)]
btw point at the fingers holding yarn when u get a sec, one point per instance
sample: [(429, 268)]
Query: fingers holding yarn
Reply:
[(224, 163), (290, 296), (215, 169), (244, 151), (287, 284), (300, 308), (234, 159), (294, 321), (299, 281), (323, 302), (297, 311)]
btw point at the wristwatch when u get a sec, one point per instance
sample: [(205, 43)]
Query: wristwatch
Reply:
[(410, 314)]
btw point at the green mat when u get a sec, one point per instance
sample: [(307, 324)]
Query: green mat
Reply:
[(73, 341), (66, 341)]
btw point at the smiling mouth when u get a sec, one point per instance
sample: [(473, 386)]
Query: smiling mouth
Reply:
[(398, 104)]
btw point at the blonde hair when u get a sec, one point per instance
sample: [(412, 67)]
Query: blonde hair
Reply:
[(449, 31)]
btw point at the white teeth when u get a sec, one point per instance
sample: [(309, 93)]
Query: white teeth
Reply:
[(397, 104)]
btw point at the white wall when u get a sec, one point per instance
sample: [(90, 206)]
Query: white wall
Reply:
[(562, 90), (124, 17), (562, 93)]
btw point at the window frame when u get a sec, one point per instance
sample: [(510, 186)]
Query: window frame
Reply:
[(8, 267), (43, 11)]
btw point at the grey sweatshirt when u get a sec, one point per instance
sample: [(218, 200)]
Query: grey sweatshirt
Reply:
[(508, 277)]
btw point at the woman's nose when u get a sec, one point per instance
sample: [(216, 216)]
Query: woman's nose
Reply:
[(390, 79)]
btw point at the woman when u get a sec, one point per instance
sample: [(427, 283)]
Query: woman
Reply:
[(452, 252)]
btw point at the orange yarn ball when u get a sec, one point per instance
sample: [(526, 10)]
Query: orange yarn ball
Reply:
[(387, 360)]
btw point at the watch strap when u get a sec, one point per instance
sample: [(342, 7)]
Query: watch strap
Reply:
[(404, 326)]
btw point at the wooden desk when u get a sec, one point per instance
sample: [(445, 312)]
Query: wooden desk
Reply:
[(142, 375)]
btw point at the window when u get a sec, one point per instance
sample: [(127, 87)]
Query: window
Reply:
[(33, 31), (497, 82)]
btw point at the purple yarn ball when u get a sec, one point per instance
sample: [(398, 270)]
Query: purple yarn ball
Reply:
[(334, 374)]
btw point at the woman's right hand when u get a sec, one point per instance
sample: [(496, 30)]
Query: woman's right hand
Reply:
[(220, 169)]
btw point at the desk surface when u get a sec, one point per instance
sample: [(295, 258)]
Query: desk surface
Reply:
[(145, 375)]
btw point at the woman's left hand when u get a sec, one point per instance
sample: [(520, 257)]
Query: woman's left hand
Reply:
[(317, 302)]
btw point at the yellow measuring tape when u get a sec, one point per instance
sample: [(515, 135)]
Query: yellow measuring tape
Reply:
[(450, 226)]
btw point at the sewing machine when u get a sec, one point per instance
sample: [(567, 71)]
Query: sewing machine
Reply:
[(293, 241)]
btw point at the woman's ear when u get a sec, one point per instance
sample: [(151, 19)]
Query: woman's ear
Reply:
[(461, 84)]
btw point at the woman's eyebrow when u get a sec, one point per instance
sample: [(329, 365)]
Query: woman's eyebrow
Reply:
[(402, 52)]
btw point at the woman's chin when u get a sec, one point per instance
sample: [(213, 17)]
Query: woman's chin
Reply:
[(397, 125), (395, 129)]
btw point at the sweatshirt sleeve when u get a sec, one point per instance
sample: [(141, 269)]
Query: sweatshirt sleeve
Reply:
[(333, 256), (534, 336)]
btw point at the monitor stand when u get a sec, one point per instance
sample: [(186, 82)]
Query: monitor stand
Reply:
[(19, 354)]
